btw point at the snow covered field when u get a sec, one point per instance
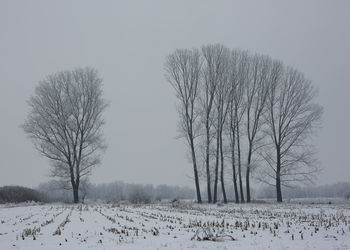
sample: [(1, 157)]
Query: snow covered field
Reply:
[(102, 226)]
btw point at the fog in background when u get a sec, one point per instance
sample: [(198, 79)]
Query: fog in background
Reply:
[(128, 42)]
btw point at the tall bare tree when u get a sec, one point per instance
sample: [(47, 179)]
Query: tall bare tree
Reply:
[(211, 73), (239, 68), (291, 120), (65, 123), (221, 101), (232, 135), (256, 95), (183, 69)]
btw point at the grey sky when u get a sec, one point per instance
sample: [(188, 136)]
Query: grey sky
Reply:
[(127, 42)]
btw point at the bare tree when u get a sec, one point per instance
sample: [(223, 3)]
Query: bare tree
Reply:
[(65, 123), (256, 95), (183, 69), (232, 136), (291, 120), (211, 72), (221, 108), (238, 78)]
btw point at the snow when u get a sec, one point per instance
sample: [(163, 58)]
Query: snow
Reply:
[(172, 226)]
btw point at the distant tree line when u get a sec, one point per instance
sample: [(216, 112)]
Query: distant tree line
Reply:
[(54, 191), (116, 192), (338, 190), (16, 194), (243, 114)]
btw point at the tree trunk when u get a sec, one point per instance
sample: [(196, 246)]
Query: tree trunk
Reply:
[(235, 184), (76, 194), (75, 186), (234, 174), (198, 191), (278, 187), (207, 160), (216, 167), (278, 177), (196, 178), (248, 173), (222, 170), (239, 165)]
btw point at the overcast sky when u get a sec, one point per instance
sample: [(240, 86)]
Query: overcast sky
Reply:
[(128, 42)]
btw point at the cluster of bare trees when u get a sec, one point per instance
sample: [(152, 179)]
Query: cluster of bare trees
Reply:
[(243, 113)]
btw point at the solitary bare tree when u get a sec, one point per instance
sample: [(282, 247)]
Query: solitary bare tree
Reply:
[(65, 123), (183, 69), (291, 120)]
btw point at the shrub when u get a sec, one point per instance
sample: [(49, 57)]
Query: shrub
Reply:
[(140, 194)]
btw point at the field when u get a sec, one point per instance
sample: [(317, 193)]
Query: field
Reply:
[(175, 226)]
